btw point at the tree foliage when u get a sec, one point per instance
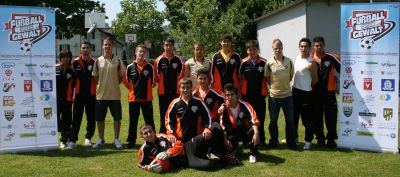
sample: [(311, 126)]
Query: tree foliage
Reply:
[(71, 19), (206, 20), (140, 17)]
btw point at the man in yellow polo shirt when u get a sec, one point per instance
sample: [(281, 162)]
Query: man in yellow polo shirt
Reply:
[(279, 73)]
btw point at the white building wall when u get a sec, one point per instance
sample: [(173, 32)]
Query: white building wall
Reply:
[(288, 25), (324, 20)]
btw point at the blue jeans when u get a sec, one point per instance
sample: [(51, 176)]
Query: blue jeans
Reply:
[(274, 105)]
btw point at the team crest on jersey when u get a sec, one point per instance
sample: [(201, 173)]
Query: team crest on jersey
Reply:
[(163, 144), (102, 64), (90, 67), (209, 100), (69, 76), (347, 111), (232, 62), (194, 109), (273, 68), (174, 65), (260, 69), (145, 72), (327, 63), (241, 114), (369, 26)]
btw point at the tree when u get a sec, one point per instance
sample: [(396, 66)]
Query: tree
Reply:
[(142, 18), (71, 19)]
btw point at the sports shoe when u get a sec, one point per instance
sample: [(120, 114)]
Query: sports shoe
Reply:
[(212, 156), (307, 145), (117, 143), (331, 144), (252, 159), (100, 142), (71, 145), (62, 145), (130, 145), (87, 142)]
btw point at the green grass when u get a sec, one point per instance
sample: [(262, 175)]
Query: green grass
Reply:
[(108, 161)]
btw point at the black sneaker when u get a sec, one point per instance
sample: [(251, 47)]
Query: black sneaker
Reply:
[(331, 144), (272, 145), (130, 145), (294, 147), (321, 143)]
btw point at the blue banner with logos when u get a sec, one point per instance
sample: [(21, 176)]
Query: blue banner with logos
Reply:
[(369, 78), (28, 118)]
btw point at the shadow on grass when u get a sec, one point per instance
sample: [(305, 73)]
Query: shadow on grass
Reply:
[(262, 157), (81, 151)]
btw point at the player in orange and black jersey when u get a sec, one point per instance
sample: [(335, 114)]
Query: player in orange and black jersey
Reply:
[(85, 96), (169, 69), (225, 65), (139, 79), (158, 147), (253, 84), (64, 84), (210, 97), (239, 121), (324, 93)]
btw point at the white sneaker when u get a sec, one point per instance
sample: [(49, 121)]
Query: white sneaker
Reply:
[(88, 142), (100, 142), (307, 145), (62, 145), (71, 145), (117, 143), (252, 159)]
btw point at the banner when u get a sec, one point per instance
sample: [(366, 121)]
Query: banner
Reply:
[(369, 78), (28, 115)]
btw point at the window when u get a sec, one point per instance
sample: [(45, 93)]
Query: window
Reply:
[(94, 35), (93, 47)]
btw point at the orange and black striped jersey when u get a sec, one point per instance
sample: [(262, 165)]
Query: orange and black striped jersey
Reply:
[(84, 81), (186, 121), (168, 72), (149, 150), (65, 83), (213, 101), (140, 81), (246, 117), (252, 79), (326, 71), (223, 72)]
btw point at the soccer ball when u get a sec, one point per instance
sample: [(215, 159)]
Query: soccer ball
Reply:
[(26, 45), (367, 43)]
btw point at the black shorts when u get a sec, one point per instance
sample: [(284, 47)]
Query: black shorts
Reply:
[(101, 109)]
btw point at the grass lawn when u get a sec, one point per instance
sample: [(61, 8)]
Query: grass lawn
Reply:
[(108, 161)]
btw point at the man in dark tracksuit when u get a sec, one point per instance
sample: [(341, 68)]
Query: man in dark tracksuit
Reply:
[(324, 93), (254, 84), (64, 78), (188, 120), (139, 79), (169, 69), (85, 96), (225, 65)]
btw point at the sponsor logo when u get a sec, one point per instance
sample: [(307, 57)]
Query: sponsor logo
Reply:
[(8, 86), (8, 65), (371, 63), (369, 73), (385, 97), (388, 64), (46, 85), (30, 65), (28, 74), (393, 135), (28, 114), (8, 126), (8, 101), (348, 62), (367, 113), (45, 97), (8, 72), (48, 125), (368, 99), (387, 125), (347, 98), (366, 124), (48, 112), (387, 85), (46, 65), (359, 133), (348, 83), (347, 122), (9, 114), (389, 73), (29, 125), (367, 84), (348, 69), (347, 110), (27, 85), (27, 135), (9, 136), (49, 133), (388, 113), (28, 101), (27, 29), (48, 74), (347, 132)]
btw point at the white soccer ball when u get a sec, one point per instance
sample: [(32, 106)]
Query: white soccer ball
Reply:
[(367, 43), (26, 45)]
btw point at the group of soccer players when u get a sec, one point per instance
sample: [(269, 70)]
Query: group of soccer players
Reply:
[(206, 106)]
